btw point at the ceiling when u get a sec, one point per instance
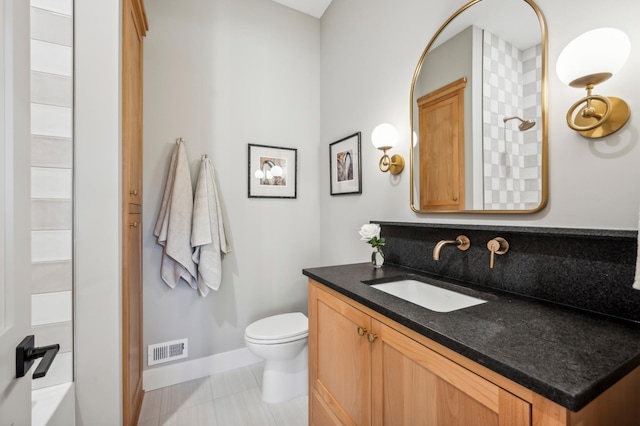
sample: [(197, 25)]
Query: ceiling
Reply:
[(311, 7)]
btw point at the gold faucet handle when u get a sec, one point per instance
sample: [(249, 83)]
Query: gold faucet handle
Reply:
[(498, 245)]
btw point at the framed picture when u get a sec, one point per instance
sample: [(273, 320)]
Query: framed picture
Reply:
[(346, 165), (272, 172)]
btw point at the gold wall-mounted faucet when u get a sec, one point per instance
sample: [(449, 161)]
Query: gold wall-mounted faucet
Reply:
[(462, 242)]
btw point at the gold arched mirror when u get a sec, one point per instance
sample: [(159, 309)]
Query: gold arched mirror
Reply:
[(478, 112)]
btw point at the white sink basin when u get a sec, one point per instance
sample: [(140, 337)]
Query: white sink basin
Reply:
[(429, 296)]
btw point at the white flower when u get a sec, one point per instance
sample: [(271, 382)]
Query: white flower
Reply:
[(369, 231)]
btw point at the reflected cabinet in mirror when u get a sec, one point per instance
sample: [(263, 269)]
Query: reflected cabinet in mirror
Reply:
[(478, 112)]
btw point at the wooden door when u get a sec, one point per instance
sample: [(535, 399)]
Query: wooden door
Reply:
[(441, 124), (413, 385), (339, 362), (134, 27)]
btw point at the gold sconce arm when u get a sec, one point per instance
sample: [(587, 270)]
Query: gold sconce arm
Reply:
[(393, 164), (599, 117)]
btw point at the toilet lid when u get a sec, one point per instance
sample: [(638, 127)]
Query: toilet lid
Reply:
[(284, 326)]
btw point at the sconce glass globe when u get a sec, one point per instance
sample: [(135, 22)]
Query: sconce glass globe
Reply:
[(593, 57), (259, 174), (384, 136)]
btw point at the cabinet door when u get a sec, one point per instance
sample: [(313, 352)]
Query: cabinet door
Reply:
[(413, 385), (132, 320), (339, 362), (133, 30)]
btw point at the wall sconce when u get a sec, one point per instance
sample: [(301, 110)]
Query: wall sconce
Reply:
[(591, 59), (385, 137)]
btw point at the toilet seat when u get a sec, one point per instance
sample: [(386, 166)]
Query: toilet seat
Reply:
[(277, 329)]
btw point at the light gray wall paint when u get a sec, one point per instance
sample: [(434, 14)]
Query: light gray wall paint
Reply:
[(441, 66), (222, 74), (369, 52)]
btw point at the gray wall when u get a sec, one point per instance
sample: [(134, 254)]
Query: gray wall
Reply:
[(223, 74), (590, 181), (447, 63)]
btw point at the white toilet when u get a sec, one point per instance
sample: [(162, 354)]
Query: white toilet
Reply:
[(281, 340)]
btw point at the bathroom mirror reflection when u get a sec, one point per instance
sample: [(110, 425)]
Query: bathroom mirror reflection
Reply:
[(478, 112)]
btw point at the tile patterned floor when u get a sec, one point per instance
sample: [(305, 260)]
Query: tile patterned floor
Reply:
[(232, 398)]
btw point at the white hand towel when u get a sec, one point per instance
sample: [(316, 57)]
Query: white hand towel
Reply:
[(173, 227), (636, 283), (208, 235)]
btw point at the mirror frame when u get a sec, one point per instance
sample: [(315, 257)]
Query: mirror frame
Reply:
[(545, 125)]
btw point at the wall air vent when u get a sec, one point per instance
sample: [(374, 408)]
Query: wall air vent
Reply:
[(167, 351)]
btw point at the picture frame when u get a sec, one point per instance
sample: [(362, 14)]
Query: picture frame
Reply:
[(345, 165), (273, 171)]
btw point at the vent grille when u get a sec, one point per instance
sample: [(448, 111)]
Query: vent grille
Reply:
[(167, 351)]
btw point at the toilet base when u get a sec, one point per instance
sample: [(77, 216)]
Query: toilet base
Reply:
[(284, 380)]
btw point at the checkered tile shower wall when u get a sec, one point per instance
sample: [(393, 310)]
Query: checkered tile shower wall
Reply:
[(512, 159)]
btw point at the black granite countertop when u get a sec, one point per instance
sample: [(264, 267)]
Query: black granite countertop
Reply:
[(566, 355)]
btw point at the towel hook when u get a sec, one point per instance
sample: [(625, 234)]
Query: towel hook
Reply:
[(179, 140), (204, 157)]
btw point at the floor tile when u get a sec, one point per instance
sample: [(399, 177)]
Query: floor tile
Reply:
[(151, 406), (257, 370), (196, 415), (153, 421), (232, 398), (243, 409), (291, 413), (233, 381), (186, 394)]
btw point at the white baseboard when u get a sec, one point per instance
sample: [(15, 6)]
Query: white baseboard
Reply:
[(174, 373)]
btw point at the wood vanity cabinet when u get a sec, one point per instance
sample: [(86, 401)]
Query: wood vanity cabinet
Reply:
[(365, 372), (365, 369)]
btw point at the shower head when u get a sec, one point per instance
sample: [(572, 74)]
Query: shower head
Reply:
[(524, 124)]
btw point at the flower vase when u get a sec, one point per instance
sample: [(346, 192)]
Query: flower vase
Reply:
[(377, 258)]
